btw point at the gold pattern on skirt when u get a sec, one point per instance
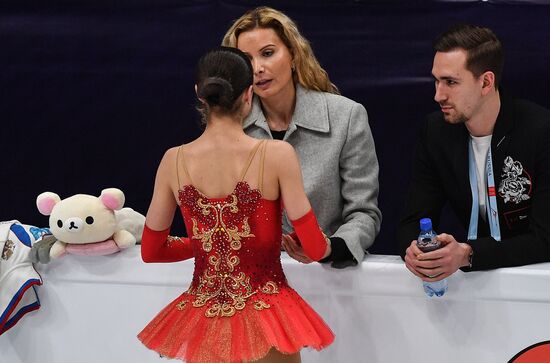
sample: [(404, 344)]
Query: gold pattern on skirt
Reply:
[(260, 305), (181, 304), (270, 288)]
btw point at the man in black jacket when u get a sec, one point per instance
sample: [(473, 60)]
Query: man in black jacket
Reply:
[(485, 155)]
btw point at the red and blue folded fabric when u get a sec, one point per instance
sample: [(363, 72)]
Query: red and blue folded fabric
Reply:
[(18, 277)]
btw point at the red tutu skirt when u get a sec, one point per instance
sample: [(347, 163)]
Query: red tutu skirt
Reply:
[(185, 332)]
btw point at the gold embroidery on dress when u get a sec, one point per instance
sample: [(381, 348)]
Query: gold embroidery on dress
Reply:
[(260, 305), (235, 235), (270, 288), (224, 285), (219, 282), (182, 304)]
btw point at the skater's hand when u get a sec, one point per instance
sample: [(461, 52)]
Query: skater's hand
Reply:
[(294, 249)]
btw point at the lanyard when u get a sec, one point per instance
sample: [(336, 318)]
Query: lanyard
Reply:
[(490, 199)]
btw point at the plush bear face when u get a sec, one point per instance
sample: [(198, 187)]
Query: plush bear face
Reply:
[(82, 219)]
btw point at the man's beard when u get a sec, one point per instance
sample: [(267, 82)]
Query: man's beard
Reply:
[(458, 118)]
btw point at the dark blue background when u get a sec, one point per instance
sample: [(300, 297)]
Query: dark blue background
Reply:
[(93, 92)]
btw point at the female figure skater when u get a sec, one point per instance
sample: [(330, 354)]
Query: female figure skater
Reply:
[(229, 188)]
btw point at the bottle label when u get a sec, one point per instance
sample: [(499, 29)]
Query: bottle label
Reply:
[(428, 244)]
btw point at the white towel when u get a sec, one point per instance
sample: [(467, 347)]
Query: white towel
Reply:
[(17, 274)]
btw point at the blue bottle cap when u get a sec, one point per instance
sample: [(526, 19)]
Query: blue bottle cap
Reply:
[(425, 224)]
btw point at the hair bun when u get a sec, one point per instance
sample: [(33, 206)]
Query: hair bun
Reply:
[(216, 91), (222, 76)]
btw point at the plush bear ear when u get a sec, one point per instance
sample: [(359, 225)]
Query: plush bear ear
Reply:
[(46, 201), (112, 198)]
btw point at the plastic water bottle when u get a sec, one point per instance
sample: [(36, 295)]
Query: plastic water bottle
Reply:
[(427, 241)]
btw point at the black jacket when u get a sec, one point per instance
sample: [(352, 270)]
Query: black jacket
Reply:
[(521, 161)]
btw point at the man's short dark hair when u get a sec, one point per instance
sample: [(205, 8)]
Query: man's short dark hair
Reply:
[(483, 49)]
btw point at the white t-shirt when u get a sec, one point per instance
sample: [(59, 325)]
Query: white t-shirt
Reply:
[(480, 145)]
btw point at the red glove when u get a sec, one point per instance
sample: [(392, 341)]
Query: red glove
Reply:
[(310, 236), (157, 246)]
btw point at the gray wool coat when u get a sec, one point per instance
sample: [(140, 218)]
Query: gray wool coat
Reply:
[(334, 143)]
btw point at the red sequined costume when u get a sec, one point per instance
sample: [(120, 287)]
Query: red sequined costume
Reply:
[(239, 304)]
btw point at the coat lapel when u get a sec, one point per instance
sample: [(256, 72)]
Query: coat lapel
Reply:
[(310, 112), (499, 148), (501, 137), (461, 158), (256, 117)]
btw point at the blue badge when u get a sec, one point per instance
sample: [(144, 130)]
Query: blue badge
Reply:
[(39, 232)]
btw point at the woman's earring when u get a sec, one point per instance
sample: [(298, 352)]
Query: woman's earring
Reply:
[(293, 67)]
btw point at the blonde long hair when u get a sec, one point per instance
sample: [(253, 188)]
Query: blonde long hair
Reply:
[(308, 72)]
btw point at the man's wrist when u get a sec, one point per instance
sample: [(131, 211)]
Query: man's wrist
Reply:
[(468, 255)]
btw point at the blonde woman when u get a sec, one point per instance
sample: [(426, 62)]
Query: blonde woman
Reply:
[(295, 101)]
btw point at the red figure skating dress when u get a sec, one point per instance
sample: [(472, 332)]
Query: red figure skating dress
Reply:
[(239, 304)]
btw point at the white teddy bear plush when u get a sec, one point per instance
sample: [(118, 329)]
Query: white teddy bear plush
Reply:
[(88, 225)]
